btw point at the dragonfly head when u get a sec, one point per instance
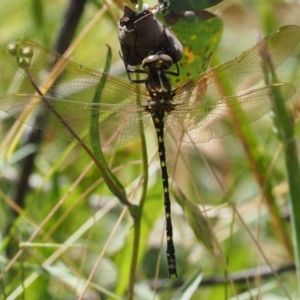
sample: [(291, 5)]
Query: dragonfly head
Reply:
[(156, 62)]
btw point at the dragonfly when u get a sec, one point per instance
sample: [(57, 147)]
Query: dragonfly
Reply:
[(197, 111)]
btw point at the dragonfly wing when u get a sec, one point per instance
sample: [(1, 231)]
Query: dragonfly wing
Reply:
[(243, 71), (217, 118), (63, 78), (71, 91), (122, 126), (117, 123)]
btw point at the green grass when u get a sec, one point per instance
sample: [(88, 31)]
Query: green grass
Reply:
[(74, 216)]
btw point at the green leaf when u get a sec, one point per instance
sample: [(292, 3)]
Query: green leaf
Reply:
[(189, 288), (112, 182), (200, 34), (38, 13), (179, 5), (197, 221)]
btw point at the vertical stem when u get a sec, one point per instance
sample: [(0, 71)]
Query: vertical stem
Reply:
[(293, 176), (138, 215), (285, 129)]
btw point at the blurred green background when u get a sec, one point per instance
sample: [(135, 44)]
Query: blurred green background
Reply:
[(58, 261)]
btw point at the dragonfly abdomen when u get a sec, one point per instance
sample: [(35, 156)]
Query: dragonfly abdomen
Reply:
[(159, 120)]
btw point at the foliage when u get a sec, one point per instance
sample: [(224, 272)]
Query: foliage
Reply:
[(73, 217)]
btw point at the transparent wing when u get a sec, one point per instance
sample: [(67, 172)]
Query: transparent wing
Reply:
[(204, 102), (221, 117), (55, 74), (70, 89), (117, 123), (243, 71)]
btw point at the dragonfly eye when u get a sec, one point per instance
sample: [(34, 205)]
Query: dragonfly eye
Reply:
[(12, 48), (27, 52), (167, 61), (150, 61), (157, 61), (23, 62)]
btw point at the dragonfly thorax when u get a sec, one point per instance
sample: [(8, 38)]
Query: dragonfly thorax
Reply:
[(157, 83), (158, 86)]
